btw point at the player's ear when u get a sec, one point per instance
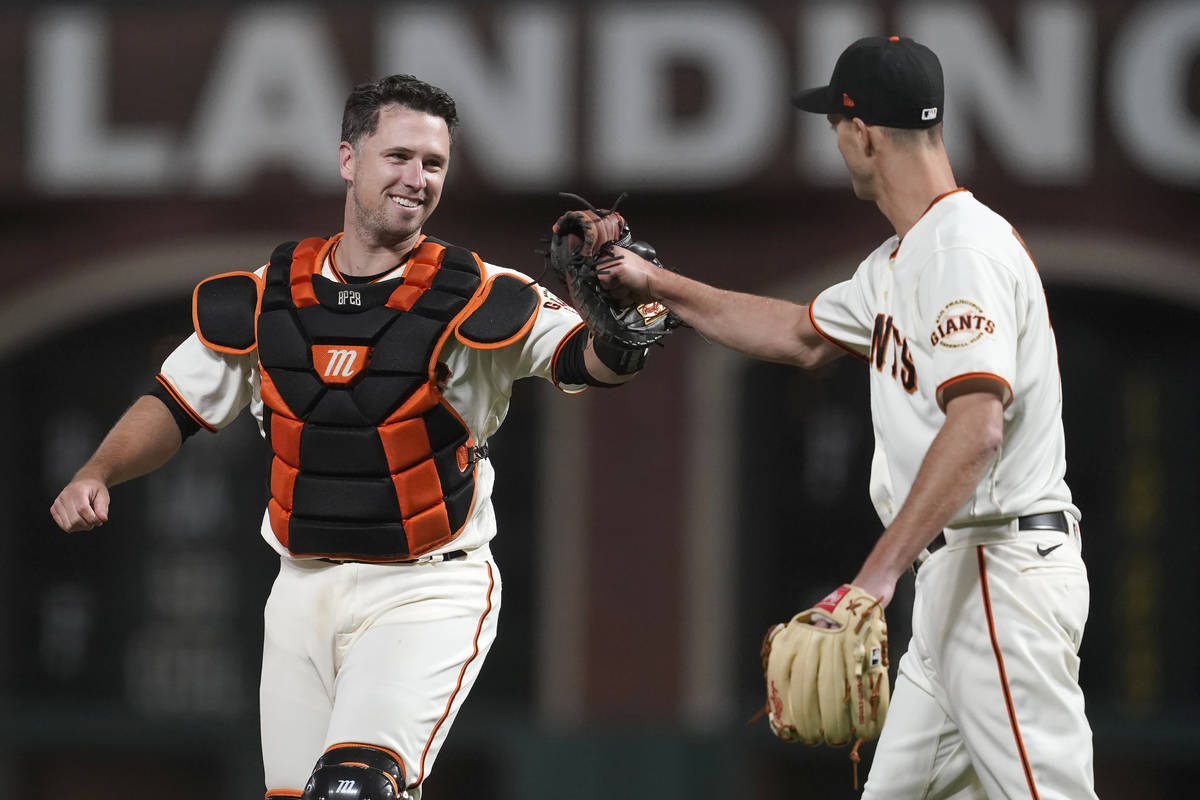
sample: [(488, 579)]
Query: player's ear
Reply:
[(865, 135), (346, 156)]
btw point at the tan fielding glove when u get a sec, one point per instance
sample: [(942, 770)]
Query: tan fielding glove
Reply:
[(829, 685)]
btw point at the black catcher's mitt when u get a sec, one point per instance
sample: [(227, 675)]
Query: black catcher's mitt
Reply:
[(582, 240)]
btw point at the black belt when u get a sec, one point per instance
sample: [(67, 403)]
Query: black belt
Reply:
[(452, 555), (1051, 521)]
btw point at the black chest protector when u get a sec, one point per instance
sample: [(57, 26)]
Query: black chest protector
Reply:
[(371, 463)]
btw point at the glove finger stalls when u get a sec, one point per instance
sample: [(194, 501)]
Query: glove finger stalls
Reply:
[(806, 694), (779, 654), (570, 221), (833, 689)]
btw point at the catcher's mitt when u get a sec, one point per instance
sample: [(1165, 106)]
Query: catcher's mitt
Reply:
[(829, 685), (582, 240)]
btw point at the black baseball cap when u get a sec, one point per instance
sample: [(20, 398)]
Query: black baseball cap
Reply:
[(883, 80)]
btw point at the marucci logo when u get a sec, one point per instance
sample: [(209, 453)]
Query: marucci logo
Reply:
[(339, 363)]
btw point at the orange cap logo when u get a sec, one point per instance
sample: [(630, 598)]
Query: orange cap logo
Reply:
[(846, 101)]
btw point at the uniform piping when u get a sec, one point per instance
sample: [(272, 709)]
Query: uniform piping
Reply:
[(1008, 701)]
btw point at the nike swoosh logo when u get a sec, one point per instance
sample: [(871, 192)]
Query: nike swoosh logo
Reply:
[(1043, 552)]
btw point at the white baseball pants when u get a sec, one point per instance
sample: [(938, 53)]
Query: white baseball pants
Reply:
[(987, 702), (377, 654)]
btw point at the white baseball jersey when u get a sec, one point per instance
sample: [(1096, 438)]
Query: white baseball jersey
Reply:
[(381, 655), (987, 701), (958, 298)]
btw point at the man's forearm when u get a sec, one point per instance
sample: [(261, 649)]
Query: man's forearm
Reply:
[(762, 327), (955, 463), (142, 440), (602, 372)]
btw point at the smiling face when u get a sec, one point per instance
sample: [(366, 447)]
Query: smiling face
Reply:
[(394, 176)]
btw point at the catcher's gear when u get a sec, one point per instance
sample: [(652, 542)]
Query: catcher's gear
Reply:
[(582, 240), (348, 772), (829, 685)]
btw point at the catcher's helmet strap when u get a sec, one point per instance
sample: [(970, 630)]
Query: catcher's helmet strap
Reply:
[(507, 307)]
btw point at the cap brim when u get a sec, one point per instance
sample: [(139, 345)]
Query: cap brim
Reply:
[(818, 100)]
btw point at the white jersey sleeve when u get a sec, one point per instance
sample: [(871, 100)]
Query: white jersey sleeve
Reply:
[(845, 312), (967, 303), (212, 387), (553, 325), (481, 380)]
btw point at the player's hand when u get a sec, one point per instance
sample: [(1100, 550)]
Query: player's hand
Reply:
[(81, 506), (626, 277)]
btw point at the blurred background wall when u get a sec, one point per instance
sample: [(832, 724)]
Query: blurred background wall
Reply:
[(648, 536)]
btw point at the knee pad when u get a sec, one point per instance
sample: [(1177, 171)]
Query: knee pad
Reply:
[(358, 772)]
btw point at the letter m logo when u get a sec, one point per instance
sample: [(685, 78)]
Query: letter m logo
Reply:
[(339, 364)]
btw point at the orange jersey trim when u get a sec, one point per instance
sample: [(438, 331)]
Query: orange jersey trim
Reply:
[(557, 351), (275, 794), (813, 321), (940, 198), (178, 398), (1008, 701), (461, 673), (967, 376), (337, 274), (341, 278), (932, 203)]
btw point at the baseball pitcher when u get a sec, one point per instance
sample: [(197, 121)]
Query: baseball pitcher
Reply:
[(950, 320)]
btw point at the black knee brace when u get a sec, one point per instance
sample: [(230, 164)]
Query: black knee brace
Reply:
[(357, 772)]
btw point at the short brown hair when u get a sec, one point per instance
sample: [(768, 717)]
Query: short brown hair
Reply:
[(361, 115)]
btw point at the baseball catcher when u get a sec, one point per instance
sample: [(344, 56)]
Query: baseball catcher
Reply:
[(583, 241), (827, 672)]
